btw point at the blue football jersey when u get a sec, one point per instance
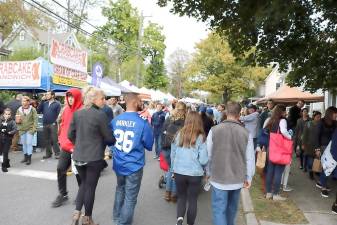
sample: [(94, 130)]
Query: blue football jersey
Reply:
[(133, 135)]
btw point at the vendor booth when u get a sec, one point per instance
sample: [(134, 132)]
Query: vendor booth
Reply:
[(290, 95), (29, 76)]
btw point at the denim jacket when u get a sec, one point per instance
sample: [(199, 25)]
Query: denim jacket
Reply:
[(189, 161)]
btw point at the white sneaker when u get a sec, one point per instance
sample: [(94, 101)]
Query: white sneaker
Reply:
[(269, 196), (278, 198), (287, 189)]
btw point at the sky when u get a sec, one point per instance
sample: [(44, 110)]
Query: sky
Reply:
[(180, 32)]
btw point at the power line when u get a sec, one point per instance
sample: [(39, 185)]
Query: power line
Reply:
[(48, 12), (86, 21)]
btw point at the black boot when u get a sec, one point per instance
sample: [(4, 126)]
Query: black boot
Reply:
[(29, 159), (25, 158), (7, 165), (3, 167)]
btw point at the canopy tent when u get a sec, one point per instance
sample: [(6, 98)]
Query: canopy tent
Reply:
[(46, 81), (107, 87), (111, 82), (191, 100), (288, 95), (126, 84), (142, 93), (170, 97)]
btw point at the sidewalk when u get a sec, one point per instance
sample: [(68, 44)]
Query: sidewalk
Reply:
[(306, 195)]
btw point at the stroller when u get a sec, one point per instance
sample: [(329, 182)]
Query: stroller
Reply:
[(164, 166)]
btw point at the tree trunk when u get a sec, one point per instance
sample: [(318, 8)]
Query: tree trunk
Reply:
[(225, 96), (81, 16)]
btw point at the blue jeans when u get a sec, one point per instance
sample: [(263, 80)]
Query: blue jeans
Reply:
[(170, 183), (309, 162), (274, 176), (323, 179), (225, 206), (157, 141), (126, 197), (27, 143)]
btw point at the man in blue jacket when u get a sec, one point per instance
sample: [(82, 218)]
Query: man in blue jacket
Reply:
[(158, 120), (133, 135), (50, 108)]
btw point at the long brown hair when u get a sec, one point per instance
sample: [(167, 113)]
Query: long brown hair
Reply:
[(192, 129), (276, 115)]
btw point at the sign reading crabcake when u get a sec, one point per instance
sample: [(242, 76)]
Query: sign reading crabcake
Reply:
[(64, 55), (20, 74)]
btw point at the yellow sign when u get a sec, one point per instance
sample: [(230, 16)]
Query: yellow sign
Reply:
[(57, 79)]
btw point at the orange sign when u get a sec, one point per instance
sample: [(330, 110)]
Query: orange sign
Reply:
[(20, 74), (64, 55)]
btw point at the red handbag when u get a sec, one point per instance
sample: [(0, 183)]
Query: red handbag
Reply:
[(162, 162), (280, 149)]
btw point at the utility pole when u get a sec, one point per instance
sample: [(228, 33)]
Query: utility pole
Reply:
[(139, 49)]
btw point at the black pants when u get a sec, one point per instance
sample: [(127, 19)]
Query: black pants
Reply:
[(188, 188), (62, 168), (89, 175), (5, 144), (50, 135)]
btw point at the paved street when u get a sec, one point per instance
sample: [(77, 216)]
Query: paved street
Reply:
[(26, 200)]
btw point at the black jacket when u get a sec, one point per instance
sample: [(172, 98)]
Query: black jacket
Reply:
[(90, 132), (7, 128)]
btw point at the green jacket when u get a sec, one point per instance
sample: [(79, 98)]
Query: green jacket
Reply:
[(28, 122)]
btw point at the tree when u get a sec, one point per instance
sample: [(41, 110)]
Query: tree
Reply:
[(121, 27), (25, 54), (300, 35), (154, 48), (178, 61), (213, 68), (14, 12), (77, 12)]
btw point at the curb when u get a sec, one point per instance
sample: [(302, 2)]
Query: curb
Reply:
[(248, 209)]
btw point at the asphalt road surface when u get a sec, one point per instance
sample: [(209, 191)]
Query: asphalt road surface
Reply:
[(26, 193)]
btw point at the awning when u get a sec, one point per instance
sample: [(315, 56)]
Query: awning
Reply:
[(46, 81), (286, 95)]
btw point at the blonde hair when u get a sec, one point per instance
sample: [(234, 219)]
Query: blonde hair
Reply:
[(25, 98), (179, 112), (90, 93)]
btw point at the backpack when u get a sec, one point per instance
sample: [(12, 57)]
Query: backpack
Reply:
[(170, 129)]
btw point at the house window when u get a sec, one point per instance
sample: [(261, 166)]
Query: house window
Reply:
[(22, 35), (70, 42)]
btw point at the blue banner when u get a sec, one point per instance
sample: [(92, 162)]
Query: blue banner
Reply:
[(97, 74)]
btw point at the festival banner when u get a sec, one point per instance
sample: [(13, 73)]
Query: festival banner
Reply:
[(69, 77), (20, 74), (64, 55)]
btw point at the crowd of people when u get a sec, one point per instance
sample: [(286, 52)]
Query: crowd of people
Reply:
[(212, 144)]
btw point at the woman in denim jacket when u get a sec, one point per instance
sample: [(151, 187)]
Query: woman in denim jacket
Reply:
[(188, 156)]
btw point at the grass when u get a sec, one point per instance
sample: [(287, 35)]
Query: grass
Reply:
[(285, 212)]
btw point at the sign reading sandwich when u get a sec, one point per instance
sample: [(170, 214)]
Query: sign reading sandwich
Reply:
[(20, 74)]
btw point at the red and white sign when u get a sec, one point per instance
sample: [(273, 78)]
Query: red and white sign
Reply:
[(64, 55), (20, 74)]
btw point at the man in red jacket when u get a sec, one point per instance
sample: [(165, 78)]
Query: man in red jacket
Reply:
[(73, 103)]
